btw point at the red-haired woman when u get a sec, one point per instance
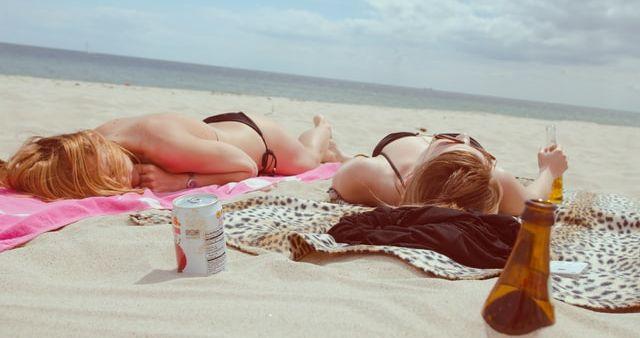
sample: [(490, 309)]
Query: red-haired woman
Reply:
[(164, 152), (448, 170)]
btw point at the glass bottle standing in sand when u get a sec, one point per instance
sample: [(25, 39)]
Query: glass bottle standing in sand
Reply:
[(556, 189), (519, 301)]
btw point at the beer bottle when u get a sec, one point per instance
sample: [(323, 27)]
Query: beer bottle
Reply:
[(519, 301), (556, 189)]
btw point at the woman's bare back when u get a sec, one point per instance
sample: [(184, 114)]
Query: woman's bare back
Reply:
[(156, 138), (150, 137), (404, 153), (372, 181)]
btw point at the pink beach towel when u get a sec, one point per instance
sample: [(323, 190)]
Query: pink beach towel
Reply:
[(22, 218)]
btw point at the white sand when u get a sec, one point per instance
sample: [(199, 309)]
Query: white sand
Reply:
[(103, 277)]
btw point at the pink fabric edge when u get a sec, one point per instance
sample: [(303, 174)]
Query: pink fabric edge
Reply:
[(24, 218)]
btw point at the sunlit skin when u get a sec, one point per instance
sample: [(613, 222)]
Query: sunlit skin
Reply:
[(371, 181), (171, 146)]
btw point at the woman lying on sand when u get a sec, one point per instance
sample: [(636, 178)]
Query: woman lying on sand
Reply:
[(164, 152), (449, 170)]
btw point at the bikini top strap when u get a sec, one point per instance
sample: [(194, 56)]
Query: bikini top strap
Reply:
[(388, 139), (395, 169)]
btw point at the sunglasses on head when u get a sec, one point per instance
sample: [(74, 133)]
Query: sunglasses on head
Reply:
[(453, 137)]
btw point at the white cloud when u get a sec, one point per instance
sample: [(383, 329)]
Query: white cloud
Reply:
[(550, 31), (553, 31), (294, 23), (546, 31), (583, 52)]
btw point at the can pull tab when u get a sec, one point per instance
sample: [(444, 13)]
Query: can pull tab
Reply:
[(194, 200)]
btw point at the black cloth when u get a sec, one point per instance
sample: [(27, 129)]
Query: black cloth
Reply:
[(471, 239)]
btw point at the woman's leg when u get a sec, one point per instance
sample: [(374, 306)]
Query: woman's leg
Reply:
[(334, 154), (317, 140), (305, 153)]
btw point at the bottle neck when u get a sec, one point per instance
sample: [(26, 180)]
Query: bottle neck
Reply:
[(536, 239)]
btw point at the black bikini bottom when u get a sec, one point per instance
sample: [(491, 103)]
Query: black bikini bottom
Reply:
[(269, 157)]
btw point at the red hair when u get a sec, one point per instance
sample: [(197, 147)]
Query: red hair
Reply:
[(75, 165)]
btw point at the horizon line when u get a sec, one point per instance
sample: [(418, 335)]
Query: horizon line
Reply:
[(325, 78)]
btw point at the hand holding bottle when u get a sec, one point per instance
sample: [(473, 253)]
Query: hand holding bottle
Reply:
[(554, 159)]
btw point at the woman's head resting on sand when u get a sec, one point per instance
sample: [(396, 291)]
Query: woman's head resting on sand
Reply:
[(455, 175), (75, 165)]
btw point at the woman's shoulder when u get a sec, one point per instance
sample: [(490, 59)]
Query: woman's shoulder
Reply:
[(375, 171), (134, 131), (366, 180), (364, 165), (152, 124), (121, 123)]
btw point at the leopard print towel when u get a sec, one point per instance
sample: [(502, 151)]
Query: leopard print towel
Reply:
[(601, 230)]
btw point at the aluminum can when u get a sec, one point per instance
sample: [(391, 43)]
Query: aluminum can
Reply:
[(198, 233)]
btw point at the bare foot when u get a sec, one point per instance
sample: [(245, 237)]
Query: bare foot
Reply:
[(329, 155), (320, 121), (334, 154), (340, 156)]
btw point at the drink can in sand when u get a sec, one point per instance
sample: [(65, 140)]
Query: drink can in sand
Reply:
[(198, 234)]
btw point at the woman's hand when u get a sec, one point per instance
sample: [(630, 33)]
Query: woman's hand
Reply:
[(553, 159), (158, 180)]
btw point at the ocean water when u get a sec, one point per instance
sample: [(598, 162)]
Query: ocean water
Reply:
[(81, 66)]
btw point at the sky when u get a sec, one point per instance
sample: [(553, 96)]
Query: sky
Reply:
[(575, 52)]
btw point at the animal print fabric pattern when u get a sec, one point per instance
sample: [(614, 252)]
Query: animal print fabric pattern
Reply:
[(601, 230), (604, 231)]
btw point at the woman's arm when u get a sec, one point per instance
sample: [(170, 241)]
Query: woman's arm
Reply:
[(175, 154), (179, 152), (155, 178), (514, 194), (552, 163)]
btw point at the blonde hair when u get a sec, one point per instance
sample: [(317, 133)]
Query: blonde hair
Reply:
[(455, 179), (75, 165)]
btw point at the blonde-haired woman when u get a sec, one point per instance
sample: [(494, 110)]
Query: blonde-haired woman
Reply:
[(163, 152), (450, 169)]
